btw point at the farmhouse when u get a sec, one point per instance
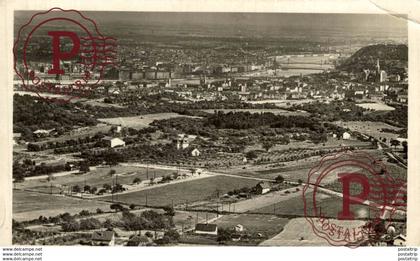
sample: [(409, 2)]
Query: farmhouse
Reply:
[(113, 142), (206, 229), (103, 238), (399, 240), (239, 228), (263, 187), (346, 136), (195, 152), (183, 141), (43, 133), (17, 137)]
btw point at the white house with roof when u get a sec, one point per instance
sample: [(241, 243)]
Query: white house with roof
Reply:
[(346, 136), (103, 238), (195, 152), (113, 142)]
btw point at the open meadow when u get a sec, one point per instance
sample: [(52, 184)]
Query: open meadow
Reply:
[(143, 121), (298, 232), (267, 225), (97, 177), (31, 205), (189, 191)]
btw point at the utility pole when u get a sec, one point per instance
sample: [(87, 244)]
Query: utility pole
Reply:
[(112, 191), (147, 170), (146, 200)]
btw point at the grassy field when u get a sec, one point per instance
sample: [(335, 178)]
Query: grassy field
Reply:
[(330, 143), (376, 106), (139, 122), (180, 193), (298, 232), (94, 178), (267, 225), (370, 128), (291, 173), (28, 205), (329, 205)]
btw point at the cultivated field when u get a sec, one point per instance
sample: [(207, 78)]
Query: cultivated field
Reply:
[(180, 193), (143, 121), (370, 128), (298, 232), (94, 178), (329, 206), (376, 106), (29, 205)]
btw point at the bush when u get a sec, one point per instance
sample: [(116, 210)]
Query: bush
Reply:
[(90, 223), (70, 226), (84, 213), (279, 179)]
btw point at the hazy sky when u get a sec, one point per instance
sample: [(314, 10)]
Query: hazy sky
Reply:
[(274, 19), (355, 23)]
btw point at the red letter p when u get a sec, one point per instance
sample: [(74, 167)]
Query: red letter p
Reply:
[(57, 54), (348, 199)]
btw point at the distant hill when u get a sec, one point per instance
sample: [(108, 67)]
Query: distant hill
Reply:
[(392, 58)]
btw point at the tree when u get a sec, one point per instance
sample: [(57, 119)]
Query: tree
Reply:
[(224, 234), (107, 186), (93, 190), (117, 207), (18, 172), (137, 181), (117, 188), (76, 189), (267, 145), (86, 188), (90, 223), (108, 224), (99, 211), (132, 206), (112, 172), (405, 148), (84, 166), (70, 226), (84, 213), (395, 143), (172, 235), (279, 179), (169, 211), (251, 155)]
